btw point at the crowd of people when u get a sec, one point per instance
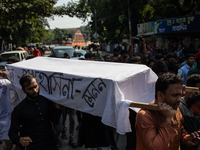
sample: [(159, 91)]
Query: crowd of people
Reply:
[(37, 123)]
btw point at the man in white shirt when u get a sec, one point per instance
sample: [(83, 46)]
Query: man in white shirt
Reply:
[(7, 103)]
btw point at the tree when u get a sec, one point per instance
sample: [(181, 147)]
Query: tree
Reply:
[(110, 17), (48, 37), (60, 35), (22, 20)]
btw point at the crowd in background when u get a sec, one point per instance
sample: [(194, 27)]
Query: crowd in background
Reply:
[(181, 61)]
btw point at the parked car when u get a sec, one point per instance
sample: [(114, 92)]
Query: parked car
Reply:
[(59, 52), (80, 53), (21, 55)]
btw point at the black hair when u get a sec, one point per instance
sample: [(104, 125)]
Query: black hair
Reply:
[(88, 55), (172, 67), (159, 66), (133, 60), (65, 54), (159, 56), (187, 56), (115, 50), (193, 79), (193, 99), (26, 78), (165, 80), (123, 52), (169, 55)]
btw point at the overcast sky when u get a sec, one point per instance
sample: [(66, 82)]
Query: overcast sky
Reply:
[(65, 21)]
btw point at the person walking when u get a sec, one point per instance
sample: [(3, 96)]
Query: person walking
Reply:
[(163, 129), (32, 118)]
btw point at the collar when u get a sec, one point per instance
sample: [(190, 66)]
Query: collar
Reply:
[(188, 67)]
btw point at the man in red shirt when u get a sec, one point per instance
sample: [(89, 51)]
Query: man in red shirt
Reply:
[(36, 52)]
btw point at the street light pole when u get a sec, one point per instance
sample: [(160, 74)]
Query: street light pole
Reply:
[(61, 38), (129, 22)]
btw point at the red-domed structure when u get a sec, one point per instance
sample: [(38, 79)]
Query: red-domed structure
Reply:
[(78, 39)]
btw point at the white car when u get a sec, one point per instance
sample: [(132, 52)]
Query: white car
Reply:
[(59, 52), (80, 53), (21, 55)]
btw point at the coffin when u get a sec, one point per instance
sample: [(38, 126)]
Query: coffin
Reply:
[(97, 88)]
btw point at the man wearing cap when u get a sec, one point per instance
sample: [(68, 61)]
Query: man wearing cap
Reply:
[(196, 69)]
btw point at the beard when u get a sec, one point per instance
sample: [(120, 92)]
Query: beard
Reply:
[(33, 96), (173, 105)]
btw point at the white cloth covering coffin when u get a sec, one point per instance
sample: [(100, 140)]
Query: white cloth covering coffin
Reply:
[(98, 88)]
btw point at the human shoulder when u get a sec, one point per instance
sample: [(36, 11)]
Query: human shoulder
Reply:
[(184, 67), (21, 105), (146, 116), (194, 70)]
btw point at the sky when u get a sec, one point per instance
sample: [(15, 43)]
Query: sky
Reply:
[(65, 21)]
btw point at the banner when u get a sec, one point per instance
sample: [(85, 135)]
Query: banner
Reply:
[(171, 25), (177, 25), (88, 86)]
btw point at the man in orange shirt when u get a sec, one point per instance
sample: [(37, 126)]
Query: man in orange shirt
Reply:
[(163, 129), (36, 52)]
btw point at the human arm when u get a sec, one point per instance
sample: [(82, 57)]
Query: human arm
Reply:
[(154, 132), (3, 74), (131, 50), (190, 140), (14, 128), (144, 49), (25, 141), (167, 112), (180, 73)]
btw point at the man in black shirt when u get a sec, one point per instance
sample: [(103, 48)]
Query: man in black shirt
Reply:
[(31, 121)]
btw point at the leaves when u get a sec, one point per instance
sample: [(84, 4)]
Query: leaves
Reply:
[(19, 18)]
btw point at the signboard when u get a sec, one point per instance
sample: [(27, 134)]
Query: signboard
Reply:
[(177, 25), (145, 28), (171, 25), (93, 87), (96, 35)]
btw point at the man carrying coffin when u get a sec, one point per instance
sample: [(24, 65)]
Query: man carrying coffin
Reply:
[(163, 129), (31, 121)]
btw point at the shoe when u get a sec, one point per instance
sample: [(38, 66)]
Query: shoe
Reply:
[(73, 144)]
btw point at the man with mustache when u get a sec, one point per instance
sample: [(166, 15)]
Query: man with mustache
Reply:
[(163, 129), (32, 119)]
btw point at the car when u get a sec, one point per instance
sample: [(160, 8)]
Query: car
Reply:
[(21, 55), (80, 53), (59, 52)]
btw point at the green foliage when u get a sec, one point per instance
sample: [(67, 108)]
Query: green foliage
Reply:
[(48, 37), (21, 20), (111, 16), (60, 35)]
